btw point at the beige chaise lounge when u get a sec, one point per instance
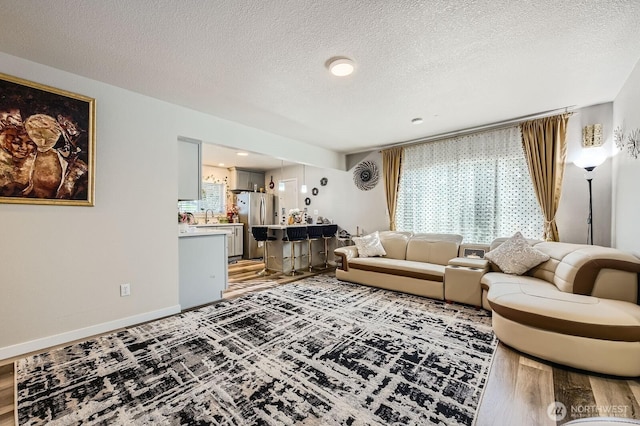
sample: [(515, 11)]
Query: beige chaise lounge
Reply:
[(579, 308)]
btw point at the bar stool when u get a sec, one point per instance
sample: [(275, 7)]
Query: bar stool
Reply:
[(314, 233), (261, 233), (328, 232), (295, 234)]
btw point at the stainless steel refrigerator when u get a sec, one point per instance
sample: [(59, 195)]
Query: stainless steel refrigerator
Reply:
[(255, 208)]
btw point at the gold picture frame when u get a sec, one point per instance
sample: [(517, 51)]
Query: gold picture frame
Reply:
[(47, 144)]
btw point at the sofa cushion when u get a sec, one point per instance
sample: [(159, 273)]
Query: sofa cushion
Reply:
[(516, 256), (492, 278), (577, 315), (395, 243), (433, 248), (405, 268), (369, 245)]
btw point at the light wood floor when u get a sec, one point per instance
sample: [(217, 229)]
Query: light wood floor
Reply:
[(518, 392)]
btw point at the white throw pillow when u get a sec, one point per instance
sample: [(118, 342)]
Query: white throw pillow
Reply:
[(369, 245), (516, 256)]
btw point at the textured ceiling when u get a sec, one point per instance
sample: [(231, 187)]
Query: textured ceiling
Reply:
[(457, 64)]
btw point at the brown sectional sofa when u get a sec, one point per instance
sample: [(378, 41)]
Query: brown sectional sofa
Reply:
[(579, 308)]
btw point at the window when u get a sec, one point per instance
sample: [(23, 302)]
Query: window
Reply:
[(213, 197), (477, 186)]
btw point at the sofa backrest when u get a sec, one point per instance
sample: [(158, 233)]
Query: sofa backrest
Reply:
[(591, 270), (587, 269), (433, 248), (395, 243)]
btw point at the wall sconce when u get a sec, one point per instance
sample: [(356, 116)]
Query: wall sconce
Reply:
[(589, 159), (592, 135)]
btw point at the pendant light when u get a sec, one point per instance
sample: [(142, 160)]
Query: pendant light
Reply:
[(303, 188), (281, 183)]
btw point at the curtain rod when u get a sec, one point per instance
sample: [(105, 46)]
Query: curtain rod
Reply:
[(484, 127)]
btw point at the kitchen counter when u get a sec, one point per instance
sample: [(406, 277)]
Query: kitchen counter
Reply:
[(233, 231), (291, 226), (201, 232), (213, 225)]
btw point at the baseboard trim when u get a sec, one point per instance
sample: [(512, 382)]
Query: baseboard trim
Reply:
[(83, 333)]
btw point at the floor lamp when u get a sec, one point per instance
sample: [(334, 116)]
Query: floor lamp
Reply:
[(589, 159)]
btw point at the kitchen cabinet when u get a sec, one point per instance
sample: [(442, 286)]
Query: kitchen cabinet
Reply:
[(189, 169), (202, 268), (244, 180), (235, 240), (235, 244)]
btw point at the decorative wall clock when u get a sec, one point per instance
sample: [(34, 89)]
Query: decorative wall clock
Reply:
[(366, 175)]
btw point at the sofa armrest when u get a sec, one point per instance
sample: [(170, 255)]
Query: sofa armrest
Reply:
[(346, 253), (469, 262)]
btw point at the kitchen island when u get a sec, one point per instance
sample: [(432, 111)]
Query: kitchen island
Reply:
[(280, 251), (202, 254)]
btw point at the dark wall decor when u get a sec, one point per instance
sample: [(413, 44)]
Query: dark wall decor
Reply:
[(314, 191), (47, 144), (366, 175)]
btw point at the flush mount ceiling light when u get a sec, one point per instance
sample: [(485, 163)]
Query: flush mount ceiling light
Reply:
[(242, 154), (417, 120), (341, 67)]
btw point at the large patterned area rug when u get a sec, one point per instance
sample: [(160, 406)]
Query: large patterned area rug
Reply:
[(317, 351)]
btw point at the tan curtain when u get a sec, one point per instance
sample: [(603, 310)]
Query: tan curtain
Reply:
[(545, 146), (391, 164)]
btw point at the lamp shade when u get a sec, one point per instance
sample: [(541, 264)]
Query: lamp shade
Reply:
[(590, 158)]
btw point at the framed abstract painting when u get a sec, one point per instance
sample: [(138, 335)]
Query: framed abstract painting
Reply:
[(47, 144)]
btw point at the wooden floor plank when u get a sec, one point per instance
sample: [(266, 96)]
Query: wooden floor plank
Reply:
[(500, 387), (7, 394), (534, 388), (634, 385), (614, 398), (573, 389)]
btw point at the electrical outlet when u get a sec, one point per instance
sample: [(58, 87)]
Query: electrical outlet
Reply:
[(125, 289)]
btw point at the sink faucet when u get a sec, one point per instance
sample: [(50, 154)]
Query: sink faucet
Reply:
[(206, 215)]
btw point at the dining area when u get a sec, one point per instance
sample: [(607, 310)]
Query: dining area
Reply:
[(292, 249)]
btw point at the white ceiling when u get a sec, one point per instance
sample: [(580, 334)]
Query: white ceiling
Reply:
[(456, 64), (225, 157)]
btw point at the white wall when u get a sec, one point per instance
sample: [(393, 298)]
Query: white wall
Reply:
[(62, 266), (340, 200), (626, 170), (573, 209)]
